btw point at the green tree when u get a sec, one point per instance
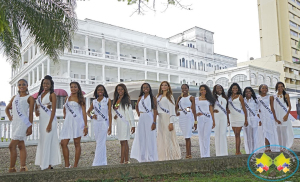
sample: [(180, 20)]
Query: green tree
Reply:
[(51, 23)]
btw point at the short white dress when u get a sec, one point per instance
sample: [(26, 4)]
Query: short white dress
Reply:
[(73, 126), (18, 126), (237, 119), (144, 147), (186, 118)]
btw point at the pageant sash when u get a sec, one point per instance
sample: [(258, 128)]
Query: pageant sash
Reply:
[(266, 107), (163, 109), (121, 116), (205, 114), (48, 111), (98, 110), (183, 110), (284, 108), (251, 111), (146, 109), (236, 109), (19, 111), (222, 108), (76, 117)]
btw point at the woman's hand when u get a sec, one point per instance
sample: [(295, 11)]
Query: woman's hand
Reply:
[(278, 121), (259, 123), (132, 130), (216, 111), (213, 126), (285, 118), (94, 117), (199, 114), (153, 126), (195, 127), (228, 123), (171, 127), (49, 127), (29, 131), (64, 116), (37, 113), (178, 114), (115, 117), (85, 131), (109, 131), (10, 118), (246, 123)]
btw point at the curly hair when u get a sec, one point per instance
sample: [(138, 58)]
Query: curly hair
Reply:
[(230, 89), (81, 100), (209, 96), (126, 98)]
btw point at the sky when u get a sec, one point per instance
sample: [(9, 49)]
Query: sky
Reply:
[(234, 23)]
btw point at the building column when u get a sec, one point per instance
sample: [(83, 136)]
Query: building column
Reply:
[(103, 47), (37, 74), (33, 77), (12, 91), (69, 68), (119, 74), (157, 61), (29, 80), (43, 72), (22, 61), (29, 54), (86, 45), (146, 75), (103, 74), (168, 60), (157, 76), (145, 55), (118, 50), (12, 73), (33, 51), (169, 78), (87, 73), (48, 66)]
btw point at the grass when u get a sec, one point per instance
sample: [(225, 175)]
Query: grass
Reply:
[(230, 175)]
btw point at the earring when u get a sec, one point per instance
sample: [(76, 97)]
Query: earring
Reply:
[(188, 93), (168, 90)]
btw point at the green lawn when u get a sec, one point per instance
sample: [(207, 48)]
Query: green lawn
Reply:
[(230, 175)]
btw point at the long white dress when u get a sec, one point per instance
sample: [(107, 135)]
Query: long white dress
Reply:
[(237, 119), (252, 133), (167, 144), (186, 118), (124, 125), (285, 129), (221, 128), (73, 126), (100, 126), (48, 151), (268, 122), (144, 147), (18, 126), (204, 126)]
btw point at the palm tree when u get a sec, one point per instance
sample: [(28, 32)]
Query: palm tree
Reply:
[(51, 24)]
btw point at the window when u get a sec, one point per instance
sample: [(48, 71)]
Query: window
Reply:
[(223, 81), (293, 24), (180, 62), (209, 65), (260, 79), (253, 79), (183, 62), (201, 66), (209, 83), (295, 60), (239, 78), (295, 51), (193, 46), (60, 102), (274, 81), (294, 33), (268, 81), (298, 3)]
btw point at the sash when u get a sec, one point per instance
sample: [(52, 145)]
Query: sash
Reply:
[(284, 108), (48, 111), (183, 110), (251, 111), (121, 116), (98, 110), (236, 109), (76, 117), (163, 109), (146, 109), (205, 114), (266, 107), (20, 114), (222, 108)]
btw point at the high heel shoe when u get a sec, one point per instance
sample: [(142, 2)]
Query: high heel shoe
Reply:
[(12, 170), (24, 167)]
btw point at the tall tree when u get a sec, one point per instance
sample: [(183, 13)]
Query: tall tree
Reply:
[(51, 23)]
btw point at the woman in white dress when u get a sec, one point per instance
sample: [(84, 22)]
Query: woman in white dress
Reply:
[(238, 114), (282, 108), (221, 119), (22, 120), (267, 117), (102, 119), (48, 151), (185, 109), (123, 115), (205, 117), (167, 144), (144, 147), (251, 132), (75, 124)]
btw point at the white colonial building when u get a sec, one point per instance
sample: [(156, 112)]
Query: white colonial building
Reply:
[(108, 54)]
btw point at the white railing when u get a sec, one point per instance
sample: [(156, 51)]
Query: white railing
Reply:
[(96, 54), (79, 51), (6, 131)]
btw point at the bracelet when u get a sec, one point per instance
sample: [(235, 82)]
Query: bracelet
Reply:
[(86, 126), (91, 117), (154, 123), (196, 122)]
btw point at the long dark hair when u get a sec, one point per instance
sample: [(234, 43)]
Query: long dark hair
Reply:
[(96, 94), (169, 94), (81, 100), (215, 92), (126, 98), (259, 88), (283, 92), (208, 95), (230, 89), (150, 94), (47, 77), (253, 95)]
